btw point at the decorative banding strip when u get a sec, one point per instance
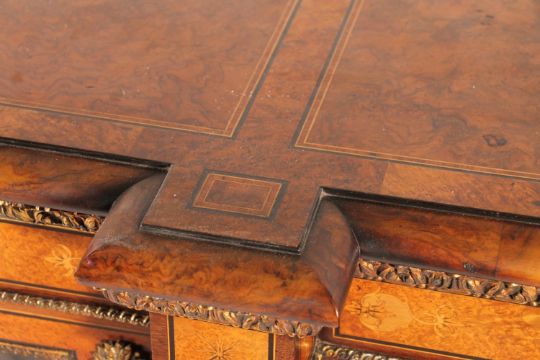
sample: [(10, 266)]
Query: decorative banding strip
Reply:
[(447, 282), (367, 269), (94, 311), (37, 215), (327, 351), (211, 314)]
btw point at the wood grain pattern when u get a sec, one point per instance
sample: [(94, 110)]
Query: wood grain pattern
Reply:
[(450, 239), (381, 98), (164, 344), (384, 347), (342, 99), (211, 86), (57, 330), (495, 193), (306, 288), (320, 31), (57, 179), (251, 157), (444, 322), (202, 341), (238, 194), (41, 257)]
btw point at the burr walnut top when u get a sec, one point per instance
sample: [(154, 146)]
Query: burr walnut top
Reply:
[(253, 107)]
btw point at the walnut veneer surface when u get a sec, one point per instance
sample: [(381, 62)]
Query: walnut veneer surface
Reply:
[(438, 85), (246, 153)]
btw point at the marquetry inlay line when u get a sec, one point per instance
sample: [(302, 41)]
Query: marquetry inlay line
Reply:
[(335, 58), (240, 194), (90, 310), (314, 108), (238, 110), (248, 93), (447, 282), (248, 321), (48, 217), (328, 351)]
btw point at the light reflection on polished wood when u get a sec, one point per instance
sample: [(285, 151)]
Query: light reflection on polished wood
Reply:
[(64, 331), (440, 321), (196, 340), (34, 255)]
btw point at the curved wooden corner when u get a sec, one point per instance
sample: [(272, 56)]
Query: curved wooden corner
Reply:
[(292, 294)]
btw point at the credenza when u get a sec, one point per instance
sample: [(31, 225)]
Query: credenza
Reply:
[(269, 179)]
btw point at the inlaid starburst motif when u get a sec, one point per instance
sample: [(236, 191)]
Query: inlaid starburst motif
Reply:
[(218, 348)]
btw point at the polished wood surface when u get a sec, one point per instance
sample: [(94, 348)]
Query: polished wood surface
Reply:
[(445, 323), (337, 35), (246, 154), (310, 287), (200, 340), (435, 237), (228, 50), (43, 261), (76, 335), (424, 82), (381, 348), (57, 179)]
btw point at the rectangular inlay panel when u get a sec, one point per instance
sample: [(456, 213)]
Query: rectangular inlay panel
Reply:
[(453, 85), (199, 340), (41, 256), (238, 194), (193, 66), (443, 322)]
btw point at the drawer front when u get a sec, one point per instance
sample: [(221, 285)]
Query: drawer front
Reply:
[(438, 325), (40, 333), (175, 338), (41, 258)]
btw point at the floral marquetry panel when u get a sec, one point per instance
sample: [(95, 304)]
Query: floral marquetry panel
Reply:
[(443, 322), (198, 340)]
